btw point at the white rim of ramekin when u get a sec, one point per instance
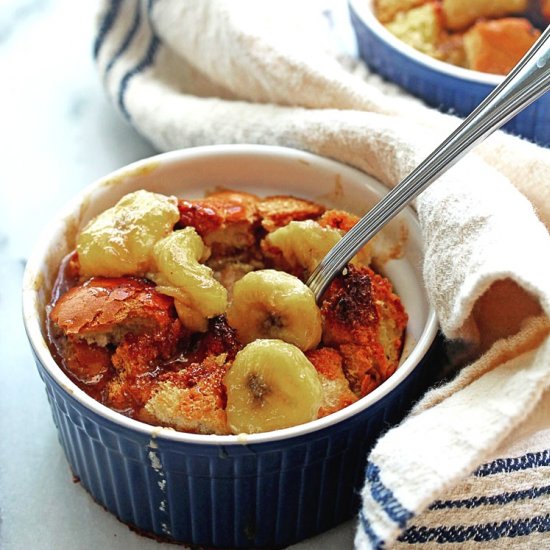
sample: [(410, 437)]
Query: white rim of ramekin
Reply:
[(363, 8), (38, 343)]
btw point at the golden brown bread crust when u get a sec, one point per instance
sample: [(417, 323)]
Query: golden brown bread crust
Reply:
[(229, 221), (497, 46), (220, 339), (225, 220), (126, 312), (89, 363), (280, 210), (149, 386), (349, 308), (421, 27), (105, 309), (336, 390), (460, 14), (192, 399), (338, 219), (365, 321), (128, 394), (386, 10), (136, 354)]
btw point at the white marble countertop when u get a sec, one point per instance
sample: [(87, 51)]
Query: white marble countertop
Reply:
[(59, 133)]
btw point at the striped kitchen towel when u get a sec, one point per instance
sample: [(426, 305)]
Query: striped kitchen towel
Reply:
[(505, 502), (470, 464)]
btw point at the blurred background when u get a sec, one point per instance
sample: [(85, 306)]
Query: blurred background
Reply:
[(59, 130)]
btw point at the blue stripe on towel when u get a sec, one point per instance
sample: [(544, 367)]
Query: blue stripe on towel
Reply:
[(506, 465), (127, 39), (502, 498), (106, 24), (376, 541), (381, 494), (145, 62), (479, 533)]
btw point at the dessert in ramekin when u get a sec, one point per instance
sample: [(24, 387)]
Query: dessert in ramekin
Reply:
[(249, 490), (484, 36), (194, 314)]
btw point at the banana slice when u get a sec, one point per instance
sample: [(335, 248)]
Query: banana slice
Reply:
[(274, 304), (303, 244), (198, 296), (120, 240), (271, 385)]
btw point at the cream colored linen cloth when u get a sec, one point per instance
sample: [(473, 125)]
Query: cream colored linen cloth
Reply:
[(471, 463)]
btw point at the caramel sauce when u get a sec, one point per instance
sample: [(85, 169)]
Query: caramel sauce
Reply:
[(92, 367)]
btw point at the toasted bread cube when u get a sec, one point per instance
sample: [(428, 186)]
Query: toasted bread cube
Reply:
[(386, 10), (496, 46), (545, 9), (365, 321), (193, 399), (103, 310), (225, 220), (279, 210), (90, 364), (337, 393), (460, 14), (451, 49), (420, 27)]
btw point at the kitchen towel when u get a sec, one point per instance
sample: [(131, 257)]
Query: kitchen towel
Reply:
[(471, 463)]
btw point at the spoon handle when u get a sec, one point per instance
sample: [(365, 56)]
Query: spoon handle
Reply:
[(529, 79)]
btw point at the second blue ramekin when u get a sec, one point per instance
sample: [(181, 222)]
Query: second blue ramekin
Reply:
[(442, 85)]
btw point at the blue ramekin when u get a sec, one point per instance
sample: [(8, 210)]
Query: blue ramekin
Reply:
[(241, 491), (268, 494), (442, 85)]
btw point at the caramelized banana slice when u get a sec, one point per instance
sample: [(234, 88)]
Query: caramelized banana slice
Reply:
[(304, 244), (271, 385), (198, 296), (120, 240), (274, 304)]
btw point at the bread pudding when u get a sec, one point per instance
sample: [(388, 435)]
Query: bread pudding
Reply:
[(483, 35), (193, 314)]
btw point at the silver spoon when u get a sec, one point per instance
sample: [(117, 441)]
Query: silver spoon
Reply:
[(529, 79)]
